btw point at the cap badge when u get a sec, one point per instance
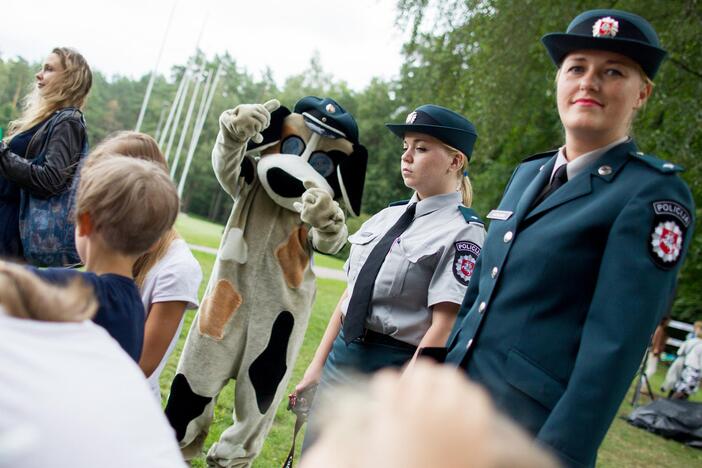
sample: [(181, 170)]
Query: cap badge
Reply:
[(411, 118), (330, 108), (605, 27)]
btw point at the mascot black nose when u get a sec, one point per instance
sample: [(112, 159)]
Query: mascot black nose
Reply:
[(284, 184)]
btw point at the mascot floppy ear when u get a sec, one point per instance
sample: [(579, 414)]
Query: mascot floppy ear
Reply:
[(352, 174), (271, 135)]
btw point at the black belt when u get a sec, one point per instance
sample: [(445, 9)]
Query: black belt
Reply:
[(372, 337)]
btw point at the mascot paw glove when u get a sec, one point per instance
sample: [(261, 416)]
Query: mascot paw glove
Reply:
[(247, 121), (318, 209)]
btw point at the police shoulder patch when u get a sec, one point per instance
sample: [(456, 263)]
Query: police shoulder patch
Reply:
[(466, 255), (665, 242)]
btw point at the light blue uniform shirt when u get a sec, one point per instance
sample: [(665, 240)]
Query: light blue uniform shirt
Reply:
[(431, 262)]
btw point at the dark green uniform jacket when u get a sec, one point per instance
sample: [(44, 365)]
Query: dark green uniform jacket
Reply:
[(565, 296)]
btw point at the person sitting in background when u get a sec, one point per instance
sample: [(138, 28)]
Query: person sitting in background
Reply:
[(123, 207), (168, 275), (404, 422), (660, 337), (70, 396), (683, 377)]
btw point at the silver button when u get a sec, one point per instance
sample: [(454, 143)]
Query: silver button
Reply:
[(482, 307), (541, 168), (508, 236), (469, 344), (668, 166), (604, 170), (493, 273)]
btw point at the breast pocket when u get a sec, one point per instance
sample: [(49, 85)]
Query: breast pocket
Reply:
[(361, 245), (416, 264)]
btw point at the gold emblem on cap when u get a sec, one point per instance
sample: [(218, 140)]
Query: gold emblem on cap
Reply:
[(605, 27), (604, 170), (330, 108), (411, 117)]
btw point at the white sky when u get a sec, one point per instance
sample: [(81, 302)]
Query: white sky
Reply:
[(356, 39)]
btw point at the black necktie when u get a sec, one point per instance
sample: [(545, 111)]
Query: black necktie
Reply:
[(359, 304), (559, 178)]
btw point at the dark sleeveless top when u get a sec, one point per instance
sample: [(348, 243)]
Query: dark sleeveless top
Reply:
[(10, 244)]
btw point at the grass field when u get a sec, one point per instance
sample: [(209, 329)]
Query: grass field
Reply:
[(624, 446)]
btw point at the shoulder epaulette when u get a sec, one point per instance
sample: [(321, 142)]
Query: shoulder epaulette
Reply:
[(470, 215), (665, 167), (399, 203), (546, 154)]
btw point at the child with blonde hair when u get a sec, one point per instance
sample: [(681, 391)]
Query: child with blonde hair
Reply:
[(65, 380), (168, 276), (123, 207)]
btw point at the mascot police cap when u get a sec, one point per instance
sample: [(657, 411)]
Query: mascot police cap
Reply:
[(441, 123), (327, 117), (612, 30)]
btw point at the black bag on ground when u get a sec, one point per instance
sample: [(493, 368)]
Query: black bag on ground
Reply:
[(674, 419)]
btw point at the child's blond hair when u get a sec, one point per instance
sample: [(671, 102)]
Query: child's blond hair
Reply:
[(131, 202), (24, 295)]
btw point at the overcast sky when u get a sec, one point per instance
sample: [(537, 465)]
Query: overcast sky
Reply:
[(356, 39)]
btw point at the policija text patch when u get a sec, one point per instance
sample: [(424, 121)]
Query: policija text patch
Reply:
[(670, 222), (464, 261)]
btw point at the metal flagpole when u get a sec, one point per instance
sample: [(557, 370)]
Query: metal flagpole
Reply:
[(150, 86), (186, 124), (176, 100), (198, 127), (176, 119)]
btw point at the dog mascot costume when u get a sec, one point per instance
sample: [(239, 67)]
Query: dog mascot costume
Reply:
[(284, 171)]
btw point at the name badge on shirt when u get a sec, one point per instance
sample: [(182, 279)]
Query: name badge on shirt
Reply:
[(499, 214)]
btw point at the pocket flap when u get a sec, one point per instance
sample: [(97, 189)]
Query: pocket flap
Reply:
[(531, 379), (362, 237)]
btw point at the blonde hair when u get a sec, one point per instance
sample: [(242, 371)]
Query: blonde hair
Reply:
[(71, 91), (131, 202), (24, 295), (698, 328), (140, 146), (402, 422), (466, 188)]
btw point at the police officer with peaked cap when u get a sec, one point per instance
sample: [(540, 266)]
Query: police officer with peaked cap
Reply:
[(410, 263), (583, 251)]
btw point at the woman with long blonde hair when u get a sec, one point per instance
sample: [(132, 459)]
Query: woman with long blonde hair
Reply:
[(51, 125), (168, 276)]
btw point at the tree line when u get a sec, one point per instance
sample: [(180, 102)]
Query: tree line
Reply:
[(482, 58)]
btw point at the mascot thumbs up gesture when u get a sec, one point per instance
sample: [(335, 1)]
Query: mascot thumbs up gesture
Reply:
[(289, 173)]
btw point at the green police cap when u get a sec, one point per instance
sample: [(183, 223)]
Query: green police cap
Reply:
[(612, 30), (441, 123)]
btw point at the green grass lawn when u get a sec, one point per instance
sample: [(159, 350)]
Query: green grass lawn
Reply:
[(624, 446)]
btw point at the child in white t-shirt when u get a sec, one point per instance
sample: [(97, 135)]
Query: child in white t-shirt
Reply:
[(69, 395), (683, 377), (168, 275)]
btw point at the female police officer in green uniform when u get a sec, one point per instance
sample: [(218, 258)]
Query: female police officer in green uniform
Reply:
[(409, 264), (583, 251)]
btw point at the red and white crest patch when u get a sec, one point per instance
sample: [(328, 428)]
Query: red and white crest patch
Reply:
[(605, 27), (667, 238), (666, 241), (464, 260)]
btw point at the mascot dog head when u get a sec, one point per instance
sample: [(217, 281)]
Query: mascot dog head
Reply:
[(315, 145)]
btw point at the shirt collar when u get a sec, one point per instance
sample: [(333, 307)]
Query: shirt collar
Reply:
[(582, 162), (431, 204)]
